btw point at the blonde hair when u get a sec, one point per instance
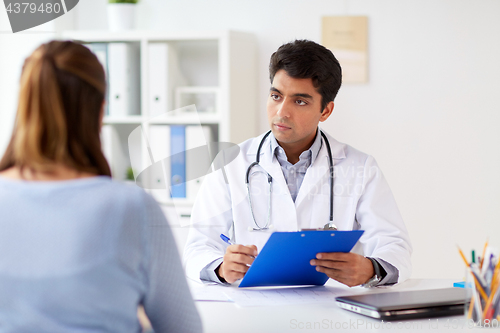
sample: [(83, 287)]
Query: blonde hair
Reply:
[(58, 117)]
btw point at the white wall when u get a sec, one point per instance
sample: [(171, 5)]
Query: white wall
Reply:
[(429, 113), (14, 48)]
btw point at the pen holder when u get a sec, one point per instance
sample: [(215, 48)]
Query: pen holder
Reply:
[(481, 310)]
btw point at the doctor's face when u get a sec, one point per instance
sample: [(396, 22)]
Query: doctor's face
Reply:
[(294, 111)]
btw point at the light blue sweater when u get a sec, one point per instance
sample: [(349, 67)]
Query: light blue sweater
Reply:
[(81, 255)]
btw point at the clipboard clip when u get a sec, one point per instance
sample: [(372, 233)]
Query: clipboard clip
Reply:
[(329, 226)]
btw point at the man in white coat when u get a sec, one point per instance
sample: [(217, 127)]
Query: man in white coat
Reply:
[(305, 78)]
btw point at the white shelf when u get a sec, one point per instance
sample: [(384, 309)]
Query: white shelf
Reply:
[(218, 62), (109, 120), (187, 120), (148, 35), (174, 120)]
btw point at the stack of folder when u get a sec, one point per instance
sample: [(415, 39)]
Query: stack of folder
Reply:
[(171, 144)]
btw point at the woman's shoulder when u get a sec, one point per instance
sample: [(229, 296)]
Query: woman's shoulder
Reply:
[(119, 190), (124, 203), (96, 188)]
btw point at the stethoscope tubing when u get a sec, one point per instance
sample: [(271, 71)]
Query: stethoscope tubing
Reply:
[(269, 180), (330, 163)]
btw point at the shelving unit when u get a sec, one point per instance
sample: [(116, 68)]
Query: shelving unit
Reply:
[(222, 63)]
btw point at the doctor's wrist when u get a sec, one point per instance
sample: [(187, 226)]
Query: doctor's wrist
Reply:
[(218, 273), (378, 276)]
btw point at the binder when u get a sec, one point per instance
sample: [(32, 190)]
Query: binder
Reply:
[(124, 79), (196, 136), (110, 146), (159, 142), (285, 258), (164, 74), (101, 52), (178, 161), (159, 98)]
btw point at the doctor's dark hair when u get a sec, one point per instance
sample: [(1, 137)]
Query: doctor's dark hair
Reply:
[(58, 117), (304, 59)]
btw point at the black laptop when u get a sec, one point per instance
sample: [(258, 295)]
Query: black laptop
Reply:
[(400, 305)]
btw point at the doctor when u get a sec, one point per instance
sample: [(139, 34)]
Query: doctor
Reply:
[(290, 186)]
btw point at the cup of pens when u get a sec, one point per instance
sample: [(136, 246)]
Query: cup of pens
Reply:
[(483, 279)]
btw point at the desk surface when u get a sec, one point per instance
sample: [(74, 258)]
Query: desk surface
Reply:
[(223, 317)]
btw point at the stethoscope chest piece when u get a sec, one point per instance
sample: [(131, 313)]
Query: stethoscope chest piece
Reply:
[(268, 228), (330, 226)]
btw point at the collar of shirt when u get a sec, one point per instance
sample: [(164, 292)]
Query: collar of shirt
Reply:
[(307, 157)]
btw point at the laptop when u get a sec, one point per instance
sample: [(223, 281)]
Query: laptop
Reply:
[(400, 305)]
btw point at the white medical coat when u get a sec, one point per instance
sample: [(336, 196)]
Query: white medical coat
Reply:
[(362, 200)]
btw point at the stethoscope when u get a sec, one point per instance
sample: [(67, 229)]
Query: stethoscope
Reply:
[(328, 226)]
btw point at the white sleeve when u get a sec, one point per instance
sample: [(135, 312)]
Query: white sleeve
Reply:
[(385, 235), (208, 272), (392, 273), (210, 217)]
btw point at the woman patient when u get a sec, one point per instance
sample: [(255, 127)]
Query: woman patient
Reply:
[(79, 252)]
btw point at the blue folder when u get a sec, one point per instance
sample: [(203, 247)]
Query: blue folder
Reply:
[(285, 258), (178, 161)]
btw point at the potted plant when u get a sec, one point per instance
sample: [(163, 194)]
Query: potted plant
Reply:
[(129, 176), (121, 14)]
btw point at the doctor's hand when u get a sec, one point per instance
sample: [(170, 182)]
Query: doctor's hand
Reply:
[(350, 269), (236, 262)]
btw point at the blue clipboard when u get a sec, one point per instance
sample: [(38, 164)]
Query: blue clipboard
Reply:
[(285, 258)]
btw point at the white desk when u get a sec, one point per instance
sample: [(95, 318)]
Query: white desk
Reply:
[(220, 317)]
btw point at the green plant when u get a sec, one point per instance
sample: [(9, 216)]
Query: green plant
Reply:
[(123, 1), (129, 175)]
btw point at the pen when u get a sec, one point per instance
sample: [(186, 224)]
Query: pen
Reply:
[(492, 304), (488, 311), (471, 308), (482, 282), (463, 257), (478, 286), (494, 281), (226, 239), (484, 252)]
